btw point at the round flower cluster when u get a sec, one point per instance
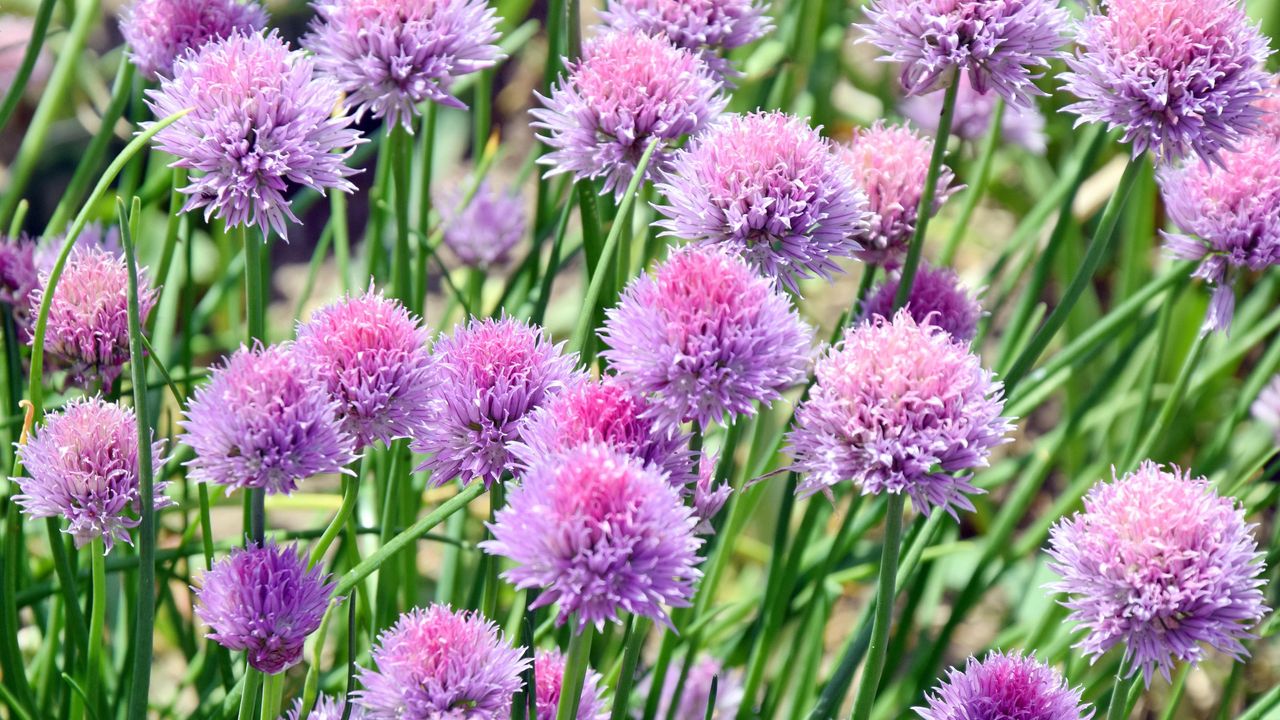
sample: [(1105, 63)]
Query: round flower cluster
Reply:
[(483, 232), (938, 297), (1003, 685), (18, 277), (704, 26), (548, 673), (160, 32)]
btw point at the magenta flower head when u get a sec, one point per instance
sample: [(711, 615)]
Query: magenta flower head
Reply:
[(708, 27), (600, 533), (705, 337), (389, 56), (697, 691), (483, 232), (938, 297), (628, 90), (262, 422), (1021, 125), (370, 354), (263, 600), (159, 32), (490, 375), (18, 278), (548, 673), (604, 411), (261, 124), (82, 465), (1000, 44), (1231, 215), (1162, 564), (768, 186), (1180, 77), (1266, 408), (88, 326), (899, 406), (435, 663), (326, 708), (889, 163), (1002, 685)]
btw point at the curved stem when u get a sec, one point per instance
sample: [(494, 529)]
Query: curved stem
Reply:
[(35, 43), (925, 209), (866, 697), (350, 494)]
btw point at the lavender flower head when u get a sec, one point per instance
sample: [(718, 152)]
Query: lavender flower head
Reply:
[(1021, 125), (82, 465), (604, 411), (548, 673), (938, 297), (899, 406), (600, 533), (1231, 215), (768, 186), (263, 600), (490, 375), (889, 164), (705, 337), (697, 691), (704, 26), (262, 124), (709, 494), (627, 91), (483, 232), (326, 708), (435, 663), (1162, 564), (1178, 76), (1003, 685), (388, 56), (261, 422), (1000, 44), (1269, 107), (1266, 408), (159, 32), (370, 354), (88, 325), (18, 278)]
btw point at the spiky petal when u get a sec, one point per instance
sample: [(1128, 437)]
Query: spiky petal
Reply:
[(938, 297), (1009, 686), (708, 27), (548, 673), (159, 32)]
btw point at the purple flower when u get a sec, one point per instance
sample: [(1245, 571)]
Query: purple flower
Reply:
[(1231, 215), (1000, 44), (262, 125), (18, 279), (261, 422), (768, 186), (548, 673), (490, 375), (627, 91), (159, 32), (88, 327), (1269, 108), (1266, 408), (889, 164), (1178, 76), (483, 232), (263, 600), (1162, 564), (899, 407), (326, 708), (83, 466), (938, 297), (697, 691), (703, 26), (1020, 124), (607, 412), (1010, 686), (370, 354), (709, 495), (389, 56), (705, 337), (600, 533), (435, 663)]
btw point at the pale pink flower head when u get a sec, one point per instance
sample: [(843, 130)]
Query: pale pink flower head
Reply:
[(388, 56), (159, 32), (627, 91), (1269, 107), (1230, 213), (889, 164), (548, 673), (708, 27), (1160, 563), (1180, 77), (899, 407), (705, 338)]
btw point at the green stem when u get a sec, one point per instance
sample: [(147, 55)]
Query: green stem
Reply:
[(39, 28), (350, 494), (255, 322), (636, 635), (249, 695), (341, 238), (866, 697), (575, 673), (171, 230), (1093, 258), (986, 160), (272, 696), (400, 147), (925, 209), (1175, 695), (1116, 709)]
